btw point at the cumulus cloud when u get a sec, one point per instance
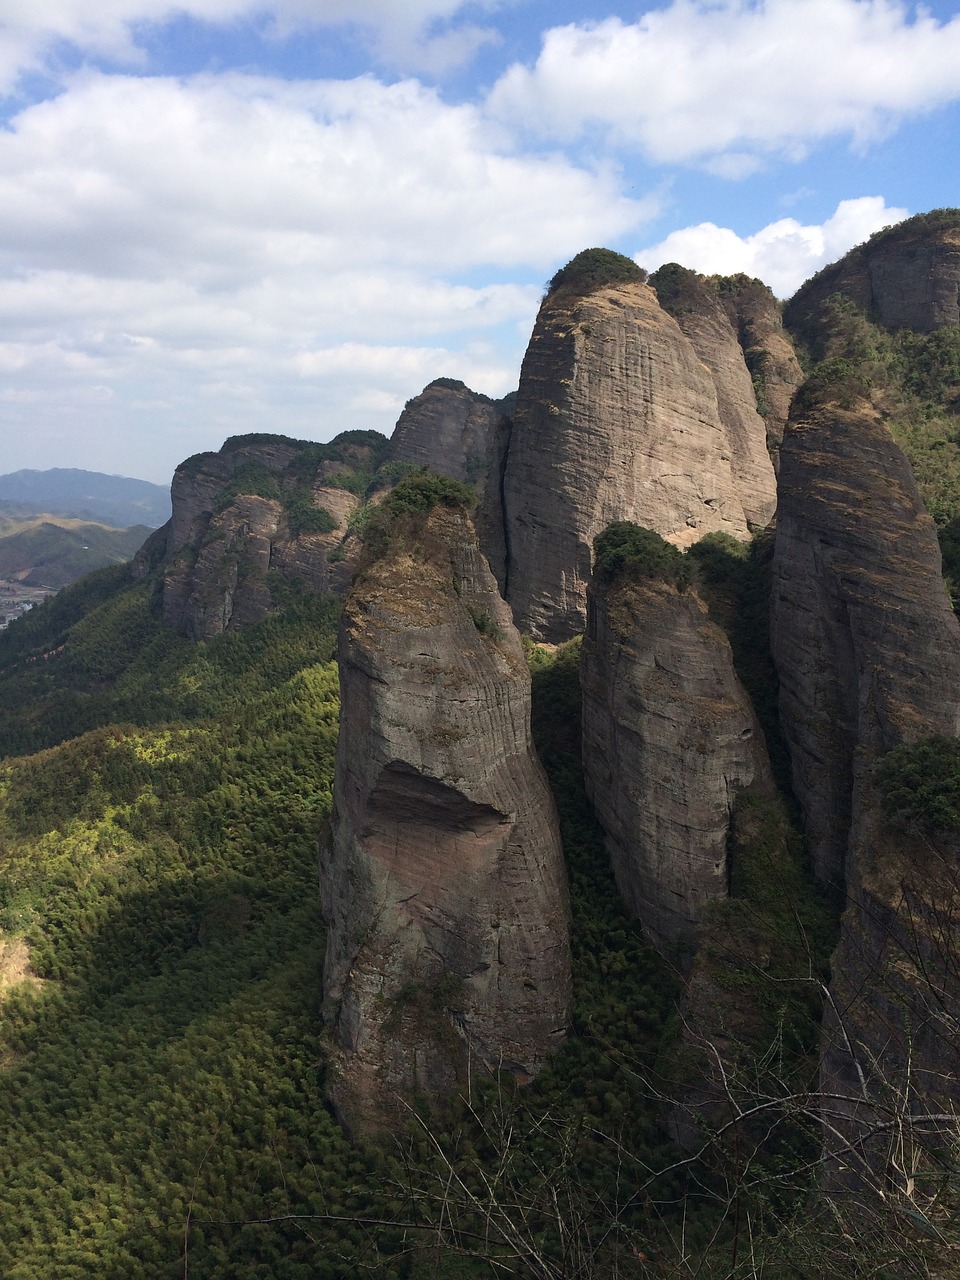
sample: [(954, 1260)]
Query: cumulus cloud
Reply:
[(732, 81), (782, 254), (227, 253)]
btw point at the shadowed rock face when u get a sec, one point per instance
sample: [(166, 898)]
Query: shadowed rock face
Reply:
[(449, 428), (862, 632), (669, 738), (617, 418), (868, 652), (907, 277), (224, 537), (442, 879)]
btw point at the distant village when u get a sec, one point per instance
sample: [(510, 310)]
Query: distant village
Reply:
[(17, 599)]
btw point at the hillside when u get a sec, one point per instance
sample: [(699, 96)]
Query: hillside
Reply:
[(117, 501), (52, 551), (718, 1037)]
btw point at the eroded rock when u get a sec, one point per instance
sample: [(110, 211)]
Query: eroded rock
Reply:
[(617, 418), (669, 739), (442, 879), (868, 652)]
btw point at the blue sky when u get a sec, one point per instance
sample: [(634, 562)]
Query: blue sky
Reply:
[(220, 216)]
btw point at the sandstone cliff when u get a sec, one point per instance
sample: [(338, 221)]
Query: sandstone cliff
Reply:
[(735, 326), (669, 740), (905, 277), (617, 418), (862, 632), (450, 429), (442, 879), (263, 512), (868, 652)]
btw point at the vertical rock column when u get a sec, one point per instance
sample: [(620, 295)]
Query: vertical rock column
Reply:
[(868, 652), (442, 880), (669, 738)]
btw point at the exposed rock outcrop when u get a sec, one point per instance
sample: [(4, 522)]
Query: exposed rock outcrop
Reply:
[(449, 428), (865, 642), (669, 739), (617, 418), (905, 277), (262, 510), (442, 879), (868, 652), (736, 328)]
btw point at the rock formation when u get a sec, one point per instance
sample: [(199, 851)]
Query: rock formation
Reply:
[(617, 418), (905, 277), (736, 327), (868, 652), (450, 429), (442, 878), (262, 507), (863, 635), (669, 739)]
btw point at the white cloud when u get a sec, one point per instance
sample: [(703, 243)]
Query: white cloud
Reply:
[(702, 79), (416, 35), (782, 254), (210, 250)]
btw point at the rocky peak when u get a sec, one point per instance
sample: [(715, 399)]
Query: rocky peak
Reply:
[(905, 277), (442, 877), (618, 418), (449, 428)]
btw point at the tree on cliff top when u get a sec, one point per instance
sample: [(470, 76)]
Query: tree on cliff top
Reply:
[(594, 269)]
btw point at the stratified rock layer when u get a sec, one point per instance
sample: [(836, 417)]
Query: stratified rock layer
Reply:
[(442, 880), (669, 739), (617, 418), (868, 652)]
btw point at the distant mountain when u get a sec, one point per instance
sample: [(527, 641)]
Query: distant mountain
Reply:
[(88, 495)]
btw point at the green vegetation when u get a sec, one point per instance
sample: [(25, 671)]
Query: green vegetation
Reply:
[(304, 517), (626, 550), (423, 490), (53, 552), (162, 1102), (920, 784), (594, 269), (250, 479), (912, 379)]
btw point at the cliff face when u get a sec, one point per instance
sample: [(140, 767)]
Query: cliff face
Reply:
[(906, 277), (868, 652), (442, 879), (618, 418), (736, 329), (669, 739), (262, 509), (449, 428), (862, 632)]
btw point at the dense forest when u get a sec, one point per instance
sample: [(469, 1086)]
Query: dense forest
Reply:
[(162, 1054)]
